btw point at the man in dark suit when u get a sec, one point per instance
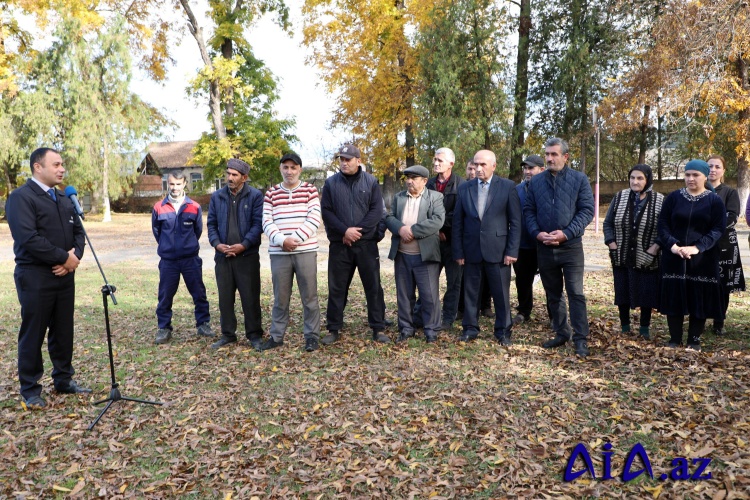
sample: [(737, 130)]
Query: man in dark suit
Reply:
[(48, 242), (415, 219), (486, 236)]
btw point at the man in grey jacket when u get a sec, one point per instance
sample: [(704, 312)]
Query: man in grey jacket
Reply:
[(558, 207), (415, 219)]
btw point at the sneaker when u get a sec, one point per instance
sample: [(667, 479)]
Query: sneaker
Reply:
[(582, 349), (380, 337), (34, 403), (332, 337), (311, 345), (719, 331), (269, 344), (558, 341), (224, 340), (163, 336), (204, 330)]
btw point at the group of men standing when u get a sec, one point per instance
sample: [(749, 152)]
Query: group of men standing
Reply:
[(473, 229)]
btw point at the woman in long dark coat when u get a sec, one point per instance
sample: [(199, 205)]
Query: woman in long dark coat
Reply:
[(730, 263), (630, 234), (691, 223)]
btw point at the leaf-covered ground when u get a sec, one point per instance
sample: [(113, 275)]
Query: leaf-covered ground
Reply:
[(358, 420)]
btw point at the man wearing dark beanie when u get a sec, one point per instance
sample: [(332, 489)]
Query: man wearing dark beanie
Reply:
[(235, 218)]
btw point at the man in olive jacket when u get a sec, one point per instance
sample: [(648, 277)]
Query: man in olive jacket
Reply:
[(415, 219)]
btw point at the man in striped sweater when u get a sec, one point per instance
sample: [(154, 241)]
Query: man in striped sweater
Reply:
[(291, 217)]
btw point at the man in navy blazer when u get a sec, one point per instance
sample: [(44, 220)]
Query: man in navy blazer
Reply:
[(486, 236)]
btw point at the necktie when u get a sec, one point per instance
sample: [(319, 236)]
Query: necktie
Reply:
[(51, 193), (482, 198)]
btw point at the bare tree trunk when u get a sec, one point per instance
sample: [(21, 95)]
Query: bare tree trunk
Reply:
[(522, 91), (743, 177), (643, 140), (214, 97), (105, 183), (227, 51)]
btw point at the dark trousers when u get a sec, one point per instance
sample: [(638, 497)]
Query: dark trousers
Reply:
[(564, 265), (191, 270), (239, 274), (342, 261), (525, 268), (498, 280), (485, 299), (453, 289), (47, 302), (413, 273)]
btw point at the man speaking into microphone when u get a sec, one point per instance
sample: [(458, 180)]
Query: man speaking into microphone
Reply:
[(48, 241)]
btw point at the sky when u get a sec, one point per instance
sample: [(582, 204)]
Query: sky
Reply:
[(301, 92)]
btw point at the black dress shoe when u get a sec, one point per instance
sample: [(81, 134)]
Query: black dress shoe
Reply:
[(465, 337), (431, 339), (332, 337), (388, 322), (504, 340), (268, 344), (72, 388), (403, 337), (223, 341), (35, 403), (555, 342), (488, 313), (582, 349), (311, 345), (380, 337)]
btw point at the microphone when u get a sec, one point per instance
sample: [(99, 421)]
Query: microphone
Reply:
[(71, 193)]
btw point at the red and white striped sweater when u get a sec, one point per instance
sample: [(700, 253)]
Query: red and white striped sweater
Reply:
[(295, 213)]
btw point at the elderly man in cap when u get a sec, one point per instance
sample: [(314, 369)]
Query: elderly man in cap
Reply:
[(526, 266), (235, 218), (415, 219), (291, 217), (352, 209)]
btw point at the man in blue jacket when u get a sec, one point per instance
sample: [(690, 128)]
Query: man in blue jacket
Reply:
[(235, 223), (559, 205), (177, 223)]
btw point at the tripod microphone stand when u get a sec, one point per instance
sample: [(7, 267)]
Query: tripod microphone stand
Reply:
[(107, 291)]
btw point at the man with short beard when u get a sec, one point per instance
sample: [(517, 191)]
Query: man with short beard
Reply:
[(235, 223)]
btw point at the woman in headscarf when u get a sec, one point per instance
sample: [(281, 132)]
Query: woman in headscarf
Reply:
[(730, 263), (630, 234), (691, 223)]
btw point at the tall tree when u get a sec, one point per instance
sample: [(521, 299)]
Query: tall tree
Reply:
[(99, 123), (463, 103), (240, 89), (521, 91), (366, 58), (576, 49)]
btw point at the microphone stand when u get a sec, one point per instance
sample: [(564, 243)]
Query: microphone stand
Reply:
[(108, 291)]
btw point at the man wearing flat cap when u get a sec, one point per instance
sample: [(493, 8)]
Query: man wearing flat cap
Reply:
[(526, 266), (414, 220), (291, 217), (235, 218), (352, 209)]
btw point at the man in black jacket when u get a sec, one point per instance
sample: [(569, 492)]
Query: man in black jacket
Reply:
[(48, 242), (447, 184), (352, 209)]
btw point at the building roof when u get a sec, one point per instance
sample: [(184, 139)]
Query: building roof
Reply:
[(172, 154)]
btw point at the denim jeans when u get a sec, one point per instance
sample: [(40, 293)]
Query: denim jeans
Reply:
[(564, 265)]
